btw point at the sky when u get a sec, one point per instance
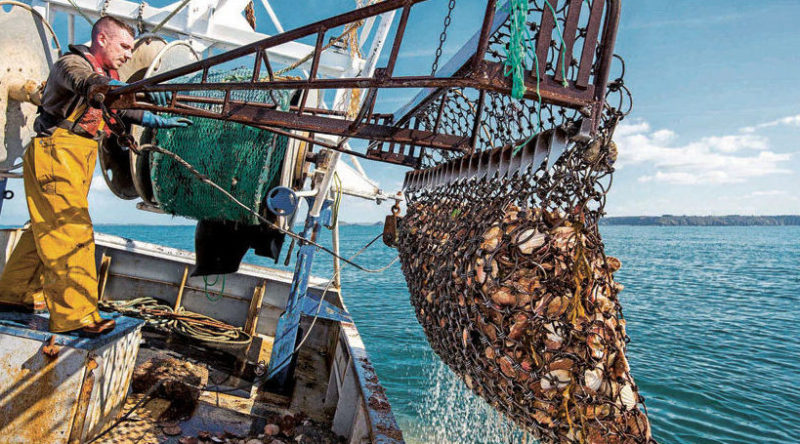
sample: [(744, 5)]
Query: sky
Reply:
[(714, 128)]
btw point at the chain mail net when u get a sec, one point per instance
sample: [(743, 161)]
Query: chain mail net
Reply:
[(511, 284), (245, 161), (508, 275)]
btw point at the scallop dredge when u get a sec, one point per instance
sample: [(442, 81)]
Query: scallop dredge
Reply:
[(525, 308)]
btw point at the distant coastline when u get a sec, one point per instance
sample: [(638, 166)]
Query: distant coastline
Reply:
[(669, 220)]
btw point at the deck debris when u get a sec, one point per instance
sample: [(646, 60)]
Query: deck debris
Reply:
[(182, 384)]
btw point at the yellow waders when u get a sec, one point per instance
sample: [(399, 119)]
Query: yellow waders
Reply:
[(57, 254)]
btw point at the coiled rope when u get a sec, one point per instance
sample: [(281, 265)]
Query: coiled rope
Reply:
[(181, 321)]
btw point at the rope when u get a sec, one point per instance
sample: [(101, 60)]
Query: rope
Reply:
[(515, 62), (516, 57), (169, 17), (322, 298), (181, 321), (77, 8), (219, 294), (261, 218)]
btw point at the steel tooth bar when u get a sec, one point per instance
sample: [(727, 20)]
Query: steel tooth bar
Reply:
[(502, 161), (515, 162), (505, 160), (542, 148), (558, 144)]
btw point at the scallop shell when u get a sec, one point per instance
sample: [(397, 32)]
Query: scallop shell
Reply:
[(491, 238), (557, 379), (529, 240), (593, 379), (552, 334), (627, 396), (502, 296), (614, 264)]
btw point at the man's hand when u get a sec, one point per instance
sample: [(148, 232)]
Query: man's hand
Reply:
[(151, 120), (160, 98)]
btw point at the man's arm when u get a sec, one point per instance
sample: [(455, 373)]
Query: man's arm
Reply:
[(74, 73), (132, 116)]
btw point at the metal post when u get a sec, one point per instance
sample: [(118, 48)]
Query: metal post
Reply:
[(281, 362), (272, 15)]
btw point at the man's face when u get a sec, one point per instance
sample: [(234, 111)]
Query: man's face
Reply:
[(115, 47)]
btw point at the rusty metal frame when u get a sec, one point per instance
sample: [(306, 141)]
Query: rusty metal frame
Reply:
[(407, 144)]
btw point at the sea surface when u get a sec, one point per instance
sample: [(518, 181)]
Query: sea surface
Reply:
[(713, 314)]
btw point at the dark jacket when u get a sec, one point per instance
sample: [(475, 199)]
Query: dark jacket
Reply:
[(67, 88)]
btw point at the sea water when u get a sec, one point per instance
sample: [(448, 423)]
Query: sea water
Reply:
[(713, 314)]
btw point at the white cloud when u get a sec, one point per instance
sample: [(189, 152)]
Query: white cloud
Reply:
[(768, 193), (714, 159), (785, 121)]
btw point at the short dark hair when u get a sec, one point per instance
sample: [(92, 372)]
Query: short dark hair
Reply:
[(107, 20)]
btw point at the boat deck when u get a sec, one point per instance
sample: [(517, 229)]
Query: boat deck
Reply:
[(230, 408), (335, 390)]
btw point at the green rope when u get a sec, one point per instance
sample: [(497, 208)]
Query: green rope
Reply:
[(517, 56), (517, 48), (219, 294), (516, 60)]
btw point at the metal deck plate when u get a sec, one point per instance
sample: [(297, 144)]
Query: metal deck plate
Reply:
[(35, 326)]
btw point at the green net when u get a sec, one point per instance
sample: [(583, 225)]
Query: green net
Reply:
[(243, 160)]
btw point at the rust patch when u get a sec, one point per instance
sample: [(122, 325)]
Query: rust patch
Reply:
[(390, 432), (51, 349), (379, 402)]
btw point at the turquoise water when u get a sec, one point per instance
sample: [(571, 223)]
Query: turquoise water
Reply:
[(712, 313)]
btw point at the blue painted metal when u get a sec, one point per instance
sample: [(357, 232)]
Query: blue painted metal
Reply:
[(289, 322), (3, 184), (309, 304), (282, 201), (35, 326)]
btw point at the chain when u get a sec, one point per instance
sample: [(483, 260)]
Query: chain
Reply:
[(104, 10), (443, 37), (140, 17)]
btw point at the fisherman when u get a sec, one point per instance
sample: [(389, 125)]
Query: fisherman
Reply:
[(53, 264)]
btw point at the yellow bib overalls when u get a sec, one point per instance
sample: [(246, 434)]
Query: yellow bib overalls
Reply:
[(55, 260)]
